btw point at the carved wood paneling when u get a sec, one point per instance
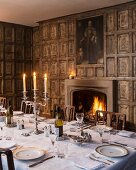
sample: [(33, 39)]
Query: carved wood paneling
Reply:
[(9, 69), (99, 72), (1, 33), (123, 67), (54, 88), (9, 34), (123, 90), (123, 43), (134, 66), (111, 22), (123, 19), (134, 42), (110, 44), (134, 18), (110, 67), (125, 109), (8, 86)]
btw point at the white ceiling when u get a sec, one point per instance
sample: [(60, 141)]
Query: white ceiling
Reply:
[(28, 12)]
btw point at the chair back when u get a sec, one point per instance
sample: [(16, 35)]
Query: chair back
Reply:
[(69, 113), (9, 155), (113, 119), (3, 102), (27, 107)]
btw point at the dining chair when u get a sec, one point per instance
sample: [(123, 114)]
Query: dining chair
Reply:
[(26, 107), (3, 102), (9, 156), (69, 113), (113, 119)]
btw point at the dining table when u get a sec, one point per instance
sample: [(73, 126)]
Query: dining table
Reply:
[(77, 155)]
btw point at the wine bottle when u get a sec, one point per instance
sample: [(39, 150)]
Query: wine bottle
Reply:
[(59, 122), (9, 114)]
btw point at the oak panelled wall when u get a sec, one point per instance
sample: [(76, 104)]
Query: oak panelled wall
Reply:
[(15, 59), (55, 52)]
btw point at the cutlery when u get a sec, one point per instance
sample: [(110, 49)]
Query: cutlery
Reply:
[(99, 160), (102, 158), (41, 161), (79, 166), (125, 145)]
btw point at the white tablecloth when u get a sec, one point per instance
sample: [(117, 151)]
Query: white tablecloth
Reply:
[(74, 150)]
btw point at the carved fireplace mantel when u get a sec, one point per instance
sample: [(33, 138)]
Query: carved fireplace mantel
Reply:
[(105, 86)]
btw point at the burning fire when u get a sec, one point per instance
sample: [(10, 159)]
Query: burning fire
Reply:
[(98, 105)]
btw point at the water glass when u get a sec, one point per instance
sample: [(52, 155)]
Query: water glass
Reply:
[(79, 118), (101, 126)]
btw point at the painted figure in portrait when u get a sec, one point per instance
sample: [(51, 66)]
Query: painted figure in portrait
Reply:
[(90, 40)]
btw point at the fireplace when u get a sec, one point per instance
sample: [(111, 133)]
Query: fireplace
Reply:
[(84, 94)]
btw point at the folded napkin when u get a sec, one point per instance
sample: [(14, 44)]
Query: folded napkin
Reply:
[(126, 133), (87, 163)]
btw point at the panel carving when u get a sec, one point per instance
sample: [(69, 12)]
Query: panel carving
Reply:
[(9, 34), (123, 19), (134, 66), (53, 31), (63, 48), (53, 102), (53, 49), (123, 90), (99, 72), (36, 66), (9, 66), (62, 68), (19, 68), (134, 91), (110, 67), (1, 33), (45, 31), (134, 18), (123, 43), (110, 44), (81, 72), (124, 109), (62, 102), (1, 86), (28, 53), (1, 68), (36, 52), (8, 86), (45, 67), (28, 36), (110, 22), (54, 88), (123, 67), (19, 51), (18, 100), (1, 51), (9, 48), (54, 68), (71, 47), (46, 50), (71, 30), (62, 88), (27, 68), (63, 30), (134, 43), (36, 36), (19, 35), (90, 72), (134, 112), (19, 85)]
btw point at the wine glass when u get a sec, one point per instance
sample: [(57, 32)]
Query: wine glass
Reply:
[(53, 136), (100, 127), (2, 124), (79, 118)]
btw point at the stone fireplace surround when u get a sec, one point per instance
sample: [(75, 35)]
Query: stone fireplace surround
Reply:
[(107, 87)]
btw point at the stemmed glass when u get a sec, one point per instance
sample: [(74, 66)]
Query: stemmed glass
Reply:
[(53, 136), (100, 127), (2, 124), (79, 118)]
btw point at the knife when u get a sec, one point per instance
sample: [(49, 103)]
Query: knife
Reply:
[(127, 146), (41, 161)]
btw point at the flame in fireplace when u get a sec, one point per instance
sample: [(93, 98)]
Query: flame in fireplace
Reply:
[(98, 105)]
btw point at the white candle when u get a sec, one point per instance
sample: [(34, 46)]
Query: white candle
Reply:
[(24, 82), (34, 80), (45, 83)]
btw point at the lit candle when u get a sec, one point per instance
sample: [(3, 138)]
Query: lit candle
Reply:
[(45, 84), (24, 82), (34, 80)]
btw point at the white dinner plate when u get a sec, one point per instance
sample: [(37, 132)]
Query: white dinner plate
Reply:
[(7, 144), (112, 150), (28, 153)]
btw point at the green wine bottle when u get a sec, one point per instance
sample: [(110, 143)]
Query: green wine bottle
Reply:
[(59, 122)]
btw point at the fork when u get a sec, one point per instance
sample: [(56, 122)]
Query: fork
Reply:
[(98, 157), (99, 160)]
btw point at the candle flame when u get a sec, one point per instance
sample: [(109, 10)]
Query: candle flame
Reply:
[(45, 76), (34, 74)]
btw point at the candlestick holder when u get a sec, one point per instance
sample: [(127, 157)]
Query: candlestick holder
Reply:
[(24, 95), (36, 111)]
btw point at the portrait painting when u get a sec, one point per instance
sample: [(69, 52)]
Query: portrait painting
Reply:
[(90, 40)]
